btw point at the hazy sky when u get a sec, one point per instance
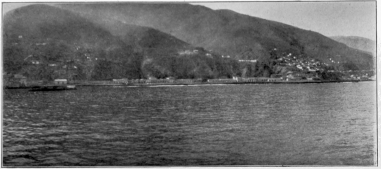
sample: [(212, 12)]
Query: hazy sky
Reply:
[(7, 6), (328, 18)]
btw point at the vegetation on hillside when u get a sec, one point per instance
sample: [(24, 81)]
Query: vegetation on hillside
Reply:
[(44, 42), (103, 42), (224, 31)]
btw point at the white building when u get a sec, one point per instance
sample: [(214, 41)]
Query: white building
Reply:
[(60, 81)]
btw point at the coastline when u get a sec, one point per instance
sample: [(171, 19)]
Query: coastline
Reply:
[(148, 84)]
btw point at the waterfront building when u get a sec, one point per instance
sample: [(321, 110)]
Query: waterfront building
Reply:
[(60, 81)]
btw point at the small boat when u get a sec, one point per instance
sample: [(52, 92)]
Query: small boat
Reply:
[(53, 88)]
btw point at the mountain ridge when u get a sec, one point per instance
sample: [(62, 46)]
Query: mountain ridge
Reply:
[(106, 41), (40, 41), (357, 42), (227, 32)]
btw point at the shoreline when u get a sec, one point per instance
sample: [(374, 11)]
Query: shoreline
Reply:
[(89, 83)]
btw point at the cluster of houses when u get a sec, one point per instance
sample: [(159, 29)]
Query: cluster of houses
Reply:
[(194, 52), (297, 68), (359, 75), (303, 64), (188, 52)]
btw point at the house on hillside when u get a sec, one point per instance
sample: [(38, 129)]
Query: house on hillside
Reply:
[(188, 52), (16, 80)]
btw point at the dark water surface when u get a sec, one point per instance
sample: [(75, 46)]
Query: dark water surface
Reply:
[(295, 124)]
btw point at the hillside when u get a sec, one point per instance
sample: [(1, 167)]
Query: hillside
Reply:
[(226, 32), (40, 41), (143, 38), (356, 42), (45, 42)]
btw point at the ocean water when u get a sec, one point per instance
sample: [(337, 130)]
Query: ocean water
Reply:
[(267, 124)]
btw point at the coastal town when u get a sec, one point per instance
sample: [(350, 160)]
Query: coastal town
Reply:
[(292, 69), (283, 66), (189, 83)]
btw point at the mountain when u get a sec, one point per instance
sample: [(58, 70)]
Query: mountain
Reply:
[(226, 32), (46, 42), (357, 42), (40, 41), (143, 38)]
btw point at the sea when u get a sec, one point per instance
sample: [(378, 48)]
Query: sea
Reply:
[(326, 124)]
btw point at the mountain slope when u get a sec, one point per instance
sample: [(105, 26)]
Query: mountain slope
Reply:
[(226, 32), (43, 39), (356, 42), (143, 38), (45, 42)]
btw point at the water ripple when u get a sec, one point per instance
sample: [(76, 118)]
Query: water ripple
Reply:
[(307, 124)]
